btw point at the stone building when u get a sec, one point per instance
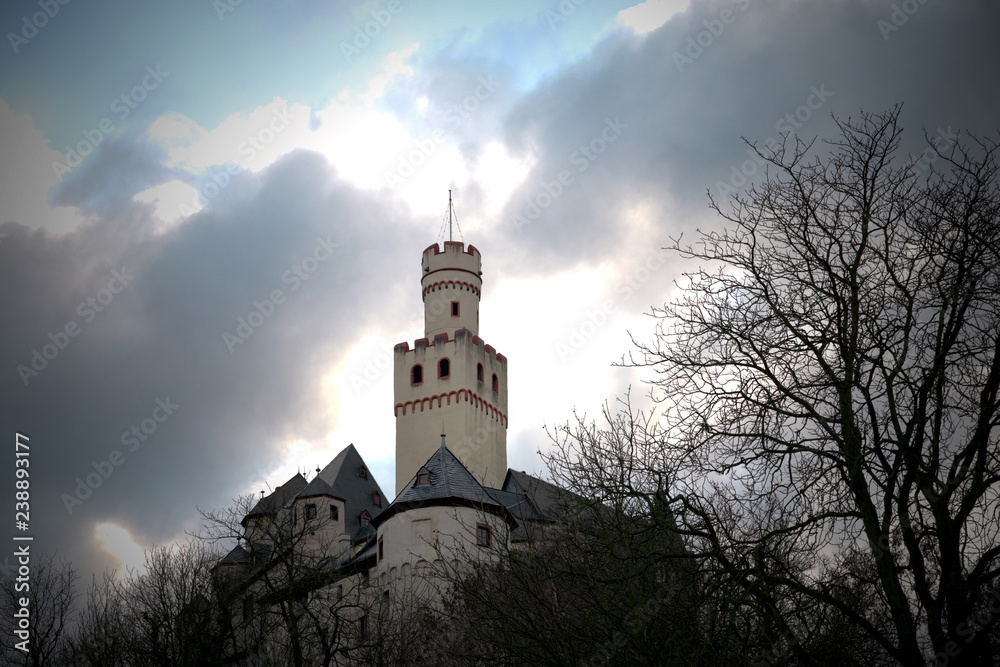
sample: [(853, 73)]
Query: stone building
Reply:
[(334, 543)]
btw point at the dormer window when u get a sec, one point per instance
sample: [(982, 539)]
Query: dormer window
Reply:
[(423, 478), (417, 374), (444, 368), (363, 472), (376, 500), (365, 519)]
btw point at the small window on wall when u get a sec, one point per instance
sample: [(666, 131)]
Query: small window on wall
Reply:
[(483, 537), (310, 512), (334, 513), (454, 308), (380, 549), (417, 374), (444, 368), (496, 384), (479, 372)]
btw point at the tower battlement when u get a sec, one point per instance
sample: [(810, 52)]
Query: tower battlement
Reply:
[(421, 343), (454, 255)]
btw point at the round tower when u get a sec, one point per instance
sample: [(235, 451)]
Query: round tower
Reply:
[(451, 378), (451, 282)]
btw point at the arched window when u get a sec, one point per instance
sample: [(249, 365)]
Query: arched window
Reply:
[(444, 368), (496, 384), (479, 372), (416, 374)]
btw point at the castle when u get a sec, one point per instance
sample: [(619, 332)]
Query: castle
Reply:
[(335, 538)]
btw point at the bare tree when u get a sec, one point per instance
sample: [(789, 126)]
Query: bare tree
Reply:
[(291, 603), (172, 609), (828, 389), (104, 633), (50, 592)]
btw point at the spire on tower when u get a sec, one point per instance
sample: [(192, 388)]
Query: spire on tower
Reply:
[(452, 221)]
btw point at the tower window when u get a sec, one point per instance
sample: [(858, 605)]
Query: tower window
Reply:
[(416, 374), (334, 513), (423, 478), (496, 384), (444, 368), (454, 308), (479, 372), (310, 512), (380, 549), (483, 536), (376, 500)]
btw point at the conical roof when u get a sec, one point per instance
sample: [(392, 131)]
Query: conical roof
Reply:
[(449, 483)]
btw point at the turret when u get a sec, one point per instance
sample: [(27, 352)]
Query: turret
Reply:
[(451, 378), (452, 282)]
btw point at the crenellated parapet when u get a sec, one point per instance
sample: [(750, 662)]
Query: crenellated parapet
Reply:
[(488, 351)]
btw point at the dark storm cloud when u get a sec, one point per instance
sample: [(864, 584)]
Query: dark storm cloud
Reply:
[(147, 313), (681, 97)]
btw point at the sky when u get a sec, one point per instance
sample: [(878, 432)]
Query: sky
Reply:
[(170, 170)]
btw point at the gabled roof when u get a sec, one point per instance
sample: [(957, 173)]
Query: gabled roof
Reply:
[(545, 501), (451, 484), (277, 499), (317, 487), (238, 556), (341, 475)]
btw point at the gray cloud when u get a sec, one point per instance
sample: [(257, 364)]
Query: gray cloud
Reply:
[(687, 107), (155, 335)]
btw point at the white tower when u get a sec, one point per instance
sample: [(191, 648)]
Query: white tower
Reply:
[(451, 379)]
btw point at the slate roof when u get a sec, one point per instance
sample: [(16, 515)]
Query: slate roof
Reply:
[(451, 484), (238, 556), (341, 474), (318, 487), (545, 501), (535, 502), (339, 479), (277, 499)]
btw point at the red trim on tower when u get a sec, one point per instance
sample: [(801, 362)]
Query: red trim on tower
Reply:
[(451, 268), (472, 397)]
